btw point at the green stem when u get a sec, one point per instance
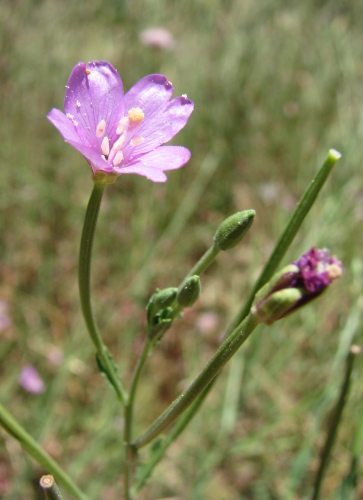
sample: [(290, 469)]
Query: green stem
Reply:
[(213, 367), (204, 262), (36, 451), (294, 224), (84, 279), (50, 489), (334, 424), (285, 240), (178, 428), (129, 410), (200, 266)]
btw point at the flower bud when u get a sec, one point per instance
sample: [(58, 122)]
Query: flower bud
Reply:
[(160, 323), (160, 300), (189, 291), (296, 285), (233, 229)]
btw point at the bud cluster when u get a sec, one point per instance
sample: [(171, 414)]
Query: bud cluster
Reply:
[(296, 285)]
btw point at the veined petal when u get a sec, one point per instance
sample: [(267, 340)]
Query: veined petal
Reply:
[(149, 94), (161, 126), (94, 93), (64, 125), (152, 164), (95, 160)]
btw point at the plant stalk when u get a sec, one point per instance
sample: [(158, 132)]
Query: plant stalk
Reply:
[(84, 279), (12, 427), (213, 367), (334, 424)]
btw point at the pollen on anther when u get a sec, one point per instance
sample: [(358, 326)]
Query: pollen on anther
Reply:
[(122, 124), (78, 104), (136, 141), (101, 127), (87, 72), (118, 158), (136, 116), (105, 146)]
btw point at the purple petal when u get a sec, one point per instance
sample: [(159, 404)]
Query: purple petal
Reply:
[(153, 174), (69, 132), (94, 93), (149, 94), (151, 165), (30, 380), (161, 126), (64, 125), (95, 160)]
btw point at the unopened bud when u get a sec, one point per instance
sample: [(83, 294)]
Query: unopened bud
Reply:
[(189, 291), (296, 285), (233, 229), (160, 323), (277, 305), (161, 299)]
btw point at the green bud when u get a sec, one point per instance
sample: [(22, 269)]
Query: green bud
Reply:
[(189, 291), (233, 229), (160, 300), (161, 323), (277, 305), (282, 279)]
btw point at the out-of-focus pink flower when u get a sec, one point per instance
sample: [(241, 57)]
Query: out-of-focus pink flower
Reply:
[(160, 38), (5, 320), (122, 134), (55, 356), (30, 380), (207, 322)]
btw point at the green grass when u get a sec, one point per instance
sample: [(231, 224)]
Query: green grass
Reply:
[(275, 85)]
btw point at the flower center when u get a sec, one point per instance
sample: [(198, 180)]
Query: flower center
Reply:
[(134, 118)]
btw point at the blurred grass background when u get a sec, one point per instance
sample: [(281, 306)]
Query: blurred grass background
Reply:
[(275, 85)]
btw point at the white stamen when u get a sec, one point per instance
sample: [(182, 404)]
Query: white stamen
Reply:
[(78, 104), (70, 116), (136, 141), (105, 146), (101, 127), (184, 96), (119, 143), (118, 158), (122, 124)]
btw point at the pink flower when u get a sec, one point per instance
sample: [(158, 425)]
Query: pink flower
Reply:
[(30, 380), (5, 320), (160, 38), (122, 134)]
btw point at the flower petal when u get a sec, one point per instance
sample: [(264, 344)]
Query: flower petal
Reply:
[(161, 126), (94, 93), (151, 165), (95, 160), (149, 94), (64, 125)]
